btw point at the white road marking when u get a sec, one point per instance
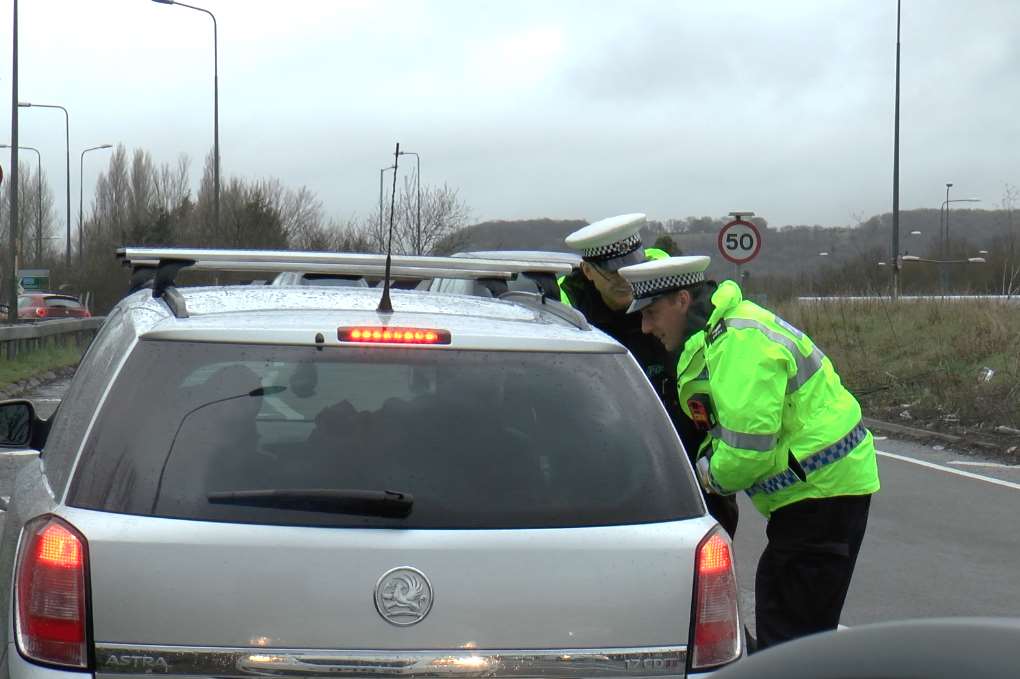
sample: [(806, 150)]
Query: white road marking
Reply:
[(950, 470), (879, 438), (996, 465)]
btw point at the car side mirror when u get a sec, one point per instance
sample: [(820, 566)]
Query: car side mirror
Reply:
[(17, 421)]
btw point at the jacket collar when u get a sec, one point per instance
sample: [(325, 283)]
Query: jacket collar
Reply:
[(694, 344), (727, 297)]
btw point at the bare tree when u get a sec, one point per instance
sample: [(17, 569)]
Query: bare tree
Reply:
[(113, 201), (143, 189), (171, 187), (35, 225), (300, 213), (443, 216)]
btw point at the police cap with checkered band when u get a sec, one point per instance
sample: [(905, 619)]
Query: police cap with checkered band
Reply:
[(654, 279), (610, 243)]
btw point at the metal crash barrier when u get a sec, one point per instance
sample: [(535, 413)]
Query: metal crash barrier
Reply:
[(24, 338)]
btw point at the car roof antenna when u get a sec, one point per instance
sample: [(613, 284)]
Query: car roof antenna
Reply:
[(385, 306)]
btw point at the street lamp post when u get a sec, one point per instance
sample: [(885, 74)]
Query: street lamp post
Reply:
[(944, 222), (81, 200), (216, 104), (12, 261), (945, 229), (67, 148), (38, 234), (896, 170), (417, 182)]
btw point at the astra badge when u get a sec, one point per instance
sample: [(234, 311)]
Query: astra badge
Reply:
[(403, 596)]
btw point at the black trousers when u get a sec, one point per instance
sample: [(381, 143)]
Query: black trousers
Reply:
[(805, 571)]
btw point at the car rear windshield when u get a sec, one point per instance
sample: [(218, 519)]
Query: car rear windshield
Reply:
[(479, 439)]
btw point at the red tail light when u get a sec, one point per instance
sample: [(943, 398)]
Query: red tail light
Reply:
[(390, 335), (86, 314), (716, 624), (40, 312), (51, 595)]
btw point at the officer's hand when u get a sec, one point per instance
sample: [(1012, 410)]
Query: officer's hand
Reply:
[(702, 467)]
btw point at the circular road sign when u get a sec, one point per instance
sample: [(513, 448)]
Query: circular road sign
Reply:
[(739, 241)]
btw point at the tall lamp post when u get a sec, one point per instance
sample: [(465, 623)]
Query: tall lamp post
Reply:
[(945, 228), (81, 199), (12, 261), (896, 169), (67, 148), (216, 104), (38, 234), (417, 182)]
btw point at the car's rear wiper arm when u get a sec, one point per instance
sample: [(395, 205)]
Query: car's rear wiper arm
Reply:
[(386, 503)]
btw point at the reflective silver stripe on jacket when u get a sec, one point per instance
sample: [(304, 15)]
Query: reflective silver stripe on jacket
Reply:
[(807, 366), (760, 442), (128, 660), (837, 451)]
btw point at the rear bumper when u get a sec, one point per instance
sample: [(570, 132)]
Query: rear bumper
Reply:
[(19, 668), (127, 662)]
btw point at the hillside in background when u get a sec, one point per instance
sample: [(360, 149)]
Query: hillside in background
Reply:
[(530, 234), (791, 251)]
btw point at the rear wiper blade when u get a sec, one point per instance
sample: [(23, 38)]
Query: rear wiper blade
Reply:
[(385, 503)]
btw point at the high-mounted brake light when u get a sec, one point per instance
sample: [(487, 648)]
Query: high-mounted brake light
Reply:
[(715, 629), (52, 611), (390, 335)]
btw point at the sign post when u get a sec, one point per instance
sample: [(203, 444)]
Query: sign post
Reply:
[(739, 240)]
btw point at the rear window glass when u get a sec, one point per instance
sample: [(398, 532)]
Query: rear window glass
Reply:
[(480, 439)]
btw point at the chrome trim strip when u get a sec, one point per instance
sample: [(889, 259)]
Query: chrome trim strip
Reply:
[(124, 660)]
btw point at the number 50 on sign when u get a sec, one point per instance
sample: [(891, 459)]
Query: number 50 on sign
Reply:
[(739, 241)]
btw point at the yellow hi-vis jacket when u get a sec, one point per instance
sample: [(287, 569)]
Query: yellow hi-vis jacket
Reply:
[(785, 428)]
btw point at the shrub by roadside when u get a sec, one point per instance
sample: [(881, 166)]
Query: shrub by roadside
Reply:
[(948, 365)]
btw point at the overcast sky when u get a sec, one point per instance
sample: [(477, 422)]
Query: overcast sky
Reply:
[(541, 109)]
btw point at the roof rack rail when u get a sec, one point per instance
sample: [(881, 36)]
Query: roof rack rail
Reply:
[(405, 266), (543, 303), (159, 267)]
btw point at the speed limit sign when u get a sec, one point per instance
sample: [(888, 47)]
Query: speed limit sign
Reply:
[(739, 241)]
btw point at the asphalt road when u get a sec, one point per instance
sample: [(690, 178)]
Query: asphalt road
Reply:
[(938, 543), (941, 541), (47, 397)]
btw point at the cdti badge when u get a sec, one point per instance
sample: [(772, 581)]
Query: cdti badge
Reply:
[(403, 596)]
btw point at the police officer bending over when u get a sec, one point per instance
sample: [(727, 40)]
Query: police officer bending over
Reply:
[(782, 428), (603, 296)]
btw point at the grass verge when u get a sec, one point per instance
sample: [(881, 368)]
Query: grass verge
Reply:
[(37, 362), (945, 364)]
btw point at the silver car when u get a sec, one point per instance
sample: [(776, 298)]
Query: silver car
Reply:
[(288, 482)]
